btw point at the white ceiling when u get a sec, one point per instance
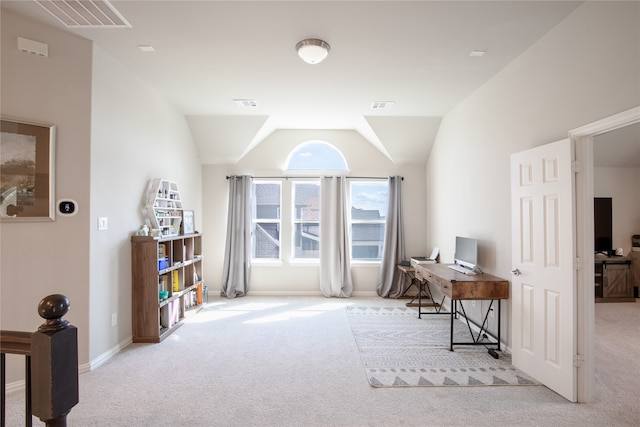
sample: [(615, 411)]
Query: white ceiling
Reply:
[(415, 53)]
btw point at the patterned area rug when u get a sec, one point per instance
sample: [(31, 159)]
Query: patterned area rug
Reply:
[(400, 350)]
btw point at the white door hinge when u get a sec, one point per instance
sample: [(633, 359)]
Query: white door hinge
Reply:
[(576, 166), (577, 264), (578, 360)]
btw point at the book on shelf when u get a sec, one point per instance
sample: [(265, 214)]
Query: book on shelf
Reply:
[(162, 250), (176, 281), (175, 311)]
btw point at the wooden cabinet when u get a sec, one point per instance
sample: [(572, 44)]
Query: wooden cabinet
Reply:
[(167, 284), (614, 279), (635, 256)]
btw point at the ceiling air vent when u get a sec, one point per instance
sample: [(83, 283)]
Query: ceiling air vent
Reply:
[(382, 105), (85, 13), (246, 103)]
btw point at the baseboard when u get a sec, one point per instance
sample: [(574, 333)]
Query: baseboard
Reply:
[(285, 293), (15, 386), (364, 294), (476, 329), (104, 357), (18, 386), (306, 293)]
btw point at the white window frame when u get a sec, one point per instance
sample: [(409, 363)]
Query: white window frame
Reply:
[(295, 222), (352, 221), (255, 220)]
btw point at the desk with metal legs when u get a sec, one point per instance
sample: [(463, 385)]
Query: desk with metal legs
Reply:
[(459, 287), (410, 272)]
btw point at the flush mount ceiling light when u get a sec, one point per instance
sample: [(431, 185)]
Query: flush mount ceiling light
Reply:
[(313, 51)]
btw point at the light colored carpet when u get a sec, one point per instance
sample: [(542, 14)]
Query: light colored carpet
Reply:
[(262, 361), (399, 350)]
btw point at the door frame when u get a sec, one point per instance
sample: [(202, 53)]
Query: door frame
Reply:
[(582, 138)]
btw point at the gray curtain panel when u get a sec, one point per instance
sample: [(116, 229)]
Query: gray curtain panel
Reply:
[(335, 264), (237, 254), (391, 281)]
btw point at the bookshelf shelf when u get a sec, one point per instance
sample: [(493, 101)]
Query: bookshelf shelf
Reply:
[(172, 264), (164, 207)]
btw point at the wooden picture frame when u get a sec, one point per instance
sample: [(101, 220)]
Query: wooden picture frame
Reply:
[(188, 224), (27, 161)]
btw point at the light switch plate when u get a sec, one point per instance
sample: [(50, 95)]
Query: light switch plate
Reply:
[(103, 224)]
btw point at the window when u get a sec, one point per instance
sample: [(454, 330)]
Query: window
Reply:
[(316, 156), (306, 220), (266, 220), (369, 202)]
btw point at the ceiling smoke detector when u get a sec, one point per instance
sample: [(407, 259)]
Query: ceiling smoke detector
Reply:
[(477, 53)]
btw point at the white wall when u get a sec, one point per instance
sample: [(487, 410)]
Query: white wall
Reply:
[(135, 136), (268, 159), (621, 184), (585, 69)]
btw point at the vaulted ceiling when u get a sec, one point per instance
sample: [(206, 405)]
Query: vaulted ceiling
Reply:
[(415, 54)]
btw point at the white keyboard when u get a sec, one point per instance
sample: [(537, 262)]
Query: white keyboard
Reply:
[(462, 270)]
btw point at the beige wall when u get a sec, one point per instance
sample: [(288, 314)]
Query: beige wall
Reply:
[(585, 69), (114, 133), (42, 258), (268, 159)]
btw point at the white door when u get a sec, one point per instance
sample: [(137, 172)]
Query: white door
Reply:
[(543, 284)]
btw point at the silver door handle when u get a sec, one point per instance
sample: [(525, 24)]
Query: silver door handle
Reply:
[(515, 272)]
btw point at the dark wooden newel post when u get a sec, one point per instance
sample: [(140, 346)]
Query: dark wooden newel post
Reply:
[(54, 363)]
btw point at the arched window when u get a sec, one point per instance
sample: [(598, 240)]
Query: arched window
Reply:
[(316, 156)]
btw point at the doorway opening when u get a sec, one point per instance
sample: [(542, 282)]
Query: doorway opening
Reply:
[(583, 140)]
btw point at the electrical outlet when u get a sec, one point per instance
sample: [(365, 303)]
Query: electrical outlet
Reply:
[(114, 319)]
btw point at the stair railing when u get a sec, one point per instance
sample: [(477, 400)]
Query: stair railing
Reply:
[(51, 364)]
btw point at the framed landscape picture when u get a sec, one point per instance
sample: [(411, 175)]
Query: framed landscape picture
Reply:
[(27, 151), (188, 226)]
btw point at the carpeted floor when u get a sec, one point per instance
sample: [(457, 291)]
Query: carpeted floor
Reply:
[(274, 361), (399, 350)]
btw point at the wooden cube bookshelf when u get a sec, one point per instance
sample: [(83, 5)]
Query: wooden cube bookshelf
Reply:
[(172, 264)]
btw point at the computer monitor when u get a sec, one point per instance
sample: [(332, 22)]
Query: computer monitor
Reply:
[(466, 252)]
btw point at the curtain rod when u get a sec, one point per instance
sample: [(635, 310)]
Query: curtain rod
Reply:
[(317, 177)]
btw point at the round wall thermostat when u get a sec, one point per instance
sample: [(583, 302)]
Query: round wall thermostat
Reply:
[(67, 207)]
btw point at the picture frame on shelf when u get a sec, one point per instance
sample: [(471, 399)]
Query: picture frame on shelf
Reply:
[(26, 170), (188, 224)]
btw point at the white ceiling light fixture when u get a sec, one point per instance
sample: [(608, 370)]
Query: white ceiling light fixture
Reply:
[(313, 51)]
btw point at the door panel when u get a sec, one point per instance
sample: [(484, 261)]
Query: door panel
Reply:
[(543, 231)]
